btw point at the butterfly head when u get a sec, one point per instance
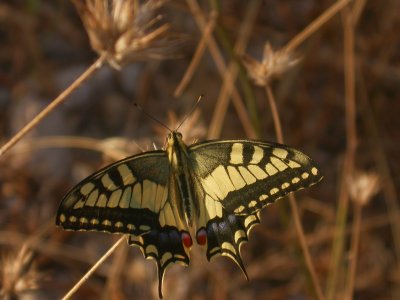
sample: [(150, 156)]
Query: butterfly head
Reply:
[(174, 138), (174, 141)]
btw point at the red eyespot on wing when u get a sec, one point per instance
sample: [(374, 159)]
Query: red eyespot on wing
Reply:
[(186, 239), (201, 237)]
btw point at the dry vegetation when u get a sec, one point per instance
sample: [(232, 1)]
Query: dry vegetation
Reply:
[(322, 75)]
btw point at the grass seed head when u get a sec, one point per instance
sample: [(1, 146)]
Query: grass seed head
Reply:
[(273, 64), (126, 30), (18, 274), (363, 186)]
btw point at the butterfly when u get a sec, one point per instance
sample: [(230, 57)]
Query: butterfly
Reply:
[(215, 187)]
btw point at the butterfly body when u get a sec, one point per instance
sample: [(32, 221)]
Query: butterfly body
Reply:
[(215, 187), (181, 185)]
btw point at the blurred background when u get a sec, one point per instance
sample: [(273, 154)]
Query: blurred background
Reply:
[(44, 47)]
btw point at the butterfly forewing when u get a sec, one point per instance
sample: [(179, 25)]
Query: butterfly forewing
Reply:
[(243, 176), (124, 197)]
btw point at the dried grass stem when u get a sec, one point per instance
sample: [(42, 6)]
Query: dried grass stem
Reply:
[(55, 103), (73, 290)]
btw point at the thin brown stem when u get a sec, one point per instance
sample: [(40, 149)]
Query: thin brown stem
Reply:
[(115, 274), (348, 164), (232, 71), (338, 243), (221, 67), (70, 142), (93, 269), (303, 243), (383, 163), (275, 114), (315, 25), (325, 235), (61, 252), (355, 241), (358, 8), (56, 102), (37, 237), (293, 204), (197, 55)]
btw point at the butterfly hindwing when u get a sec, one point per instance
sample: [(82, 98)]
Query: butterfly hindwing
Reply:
[(226, 234), (165, 246)]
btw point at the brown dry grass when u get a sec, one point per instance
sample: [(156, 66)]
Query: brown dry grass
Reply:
[(329, 86)]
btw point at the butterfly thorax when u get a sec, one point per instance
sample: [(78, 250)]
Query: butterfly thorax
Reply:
[(180, 185)]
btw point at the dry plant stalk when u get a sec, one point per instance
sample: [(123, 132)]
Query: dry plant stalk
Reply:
[(121, 32), (295, 210), (336, 264), (93, 269), (55, 103), (388, 185), (362, 187), (315, 25), (272, 65), (232, 71), (198, 54), (111, 148), (221, 67)]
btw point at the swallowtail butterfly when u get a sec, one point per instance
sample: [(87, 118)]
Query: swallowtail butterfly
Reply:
[(216, 187)]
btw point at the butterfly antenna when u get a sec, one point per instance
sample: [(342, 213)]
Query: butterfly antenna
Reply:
[(151, 117), (191, 111)]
